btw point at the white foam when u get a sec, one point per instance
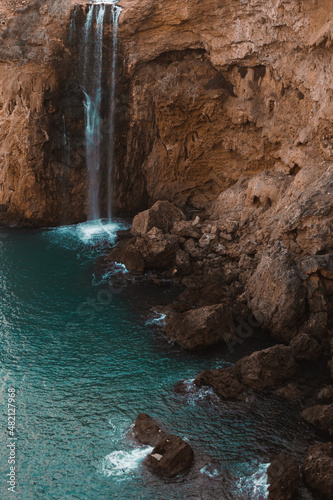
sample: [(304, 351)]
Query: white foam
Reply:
[(256, 485), (209, 471), (158, 320), (87, 233), (120, 463)]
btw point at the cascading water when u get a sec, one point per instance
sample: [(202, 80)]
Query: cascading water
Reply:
[(92, 77), (93, 96), (115, 18)]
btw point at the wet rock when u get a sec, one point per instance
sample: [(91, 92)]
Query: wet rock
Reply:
[(162, 215), (318, 469), (275, 293), (283, 477), (305, 347), (203, 327), (290, 391), (224, 382), (128, 255), (171, 455), (267, 367), (320, 416), (158, 250)]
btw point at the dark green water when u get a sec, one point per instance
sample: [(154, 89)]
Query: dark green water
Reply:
[(84, 363)]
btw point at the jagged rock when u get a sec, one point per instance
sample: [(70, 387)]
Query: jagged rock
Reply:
[(267, 367), (162, 215), (203, 327), (128, 255), (318, 469), (186, 229), (171, 455), (158, 250), (322, 263), (275, 293), (305, 347), (224, 382), (283, 477), (290, 391), (320, 416)]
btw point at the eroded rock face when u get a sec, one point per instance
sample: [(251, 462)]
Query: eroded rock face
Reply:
[(171, 455), (275, 292), (203, 327), (318, 469)]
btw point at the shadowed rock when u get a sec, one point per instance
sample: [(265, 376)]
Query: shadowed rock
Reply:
[(171, 455), (320, 416), (318, 469), (283, 477), (224, 382)]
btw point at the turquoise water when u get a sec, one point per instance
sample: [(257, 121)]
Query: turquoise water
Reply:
[(84, 362)]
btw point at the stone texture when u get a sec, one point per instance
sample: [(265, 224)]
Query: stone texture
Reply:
[(202, 328), (161, 215), (128, 255), (171, 455), (224, 382), (275, 292), (158, 250), (265, 368), (305, 347), (320, 416), (283, 477), (318, 469)]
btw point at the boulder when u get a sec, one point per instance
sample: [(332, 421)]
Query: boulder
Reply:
[(182, 261), (283, 477), (203, 327), (275, 293), (267, 367), (127, 254), (320, 416), (158, 250), (318, 469), (305, 347), (171, 455), (162, 215), (290, 391), (224, 382)]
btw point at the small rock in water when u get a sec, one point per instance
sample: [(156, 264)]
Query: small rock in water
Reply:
[(171, 455), (283, 477)]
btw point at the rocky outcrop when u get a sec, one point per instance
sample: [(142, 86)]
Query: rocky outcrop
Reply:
[(202, 328), (265, 368), (162, 215), (318, 469), (171, 455), (320, 416), (224, 382), (283, 477)]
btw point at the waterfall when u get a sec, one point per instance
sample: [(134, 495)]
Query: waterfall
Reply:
[(91, 74), (115, 18), (93, 95)]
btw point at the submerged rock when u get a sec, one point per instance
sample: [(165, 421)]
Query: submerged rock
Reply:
[(283, 477), (267, 367), (162, 215), (224, 382), (320, 416), (203, 327), (318, 469), (171, 455)]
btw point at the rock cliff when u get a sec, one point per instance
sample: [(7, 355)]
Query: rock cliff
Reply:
[(207, 94)]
